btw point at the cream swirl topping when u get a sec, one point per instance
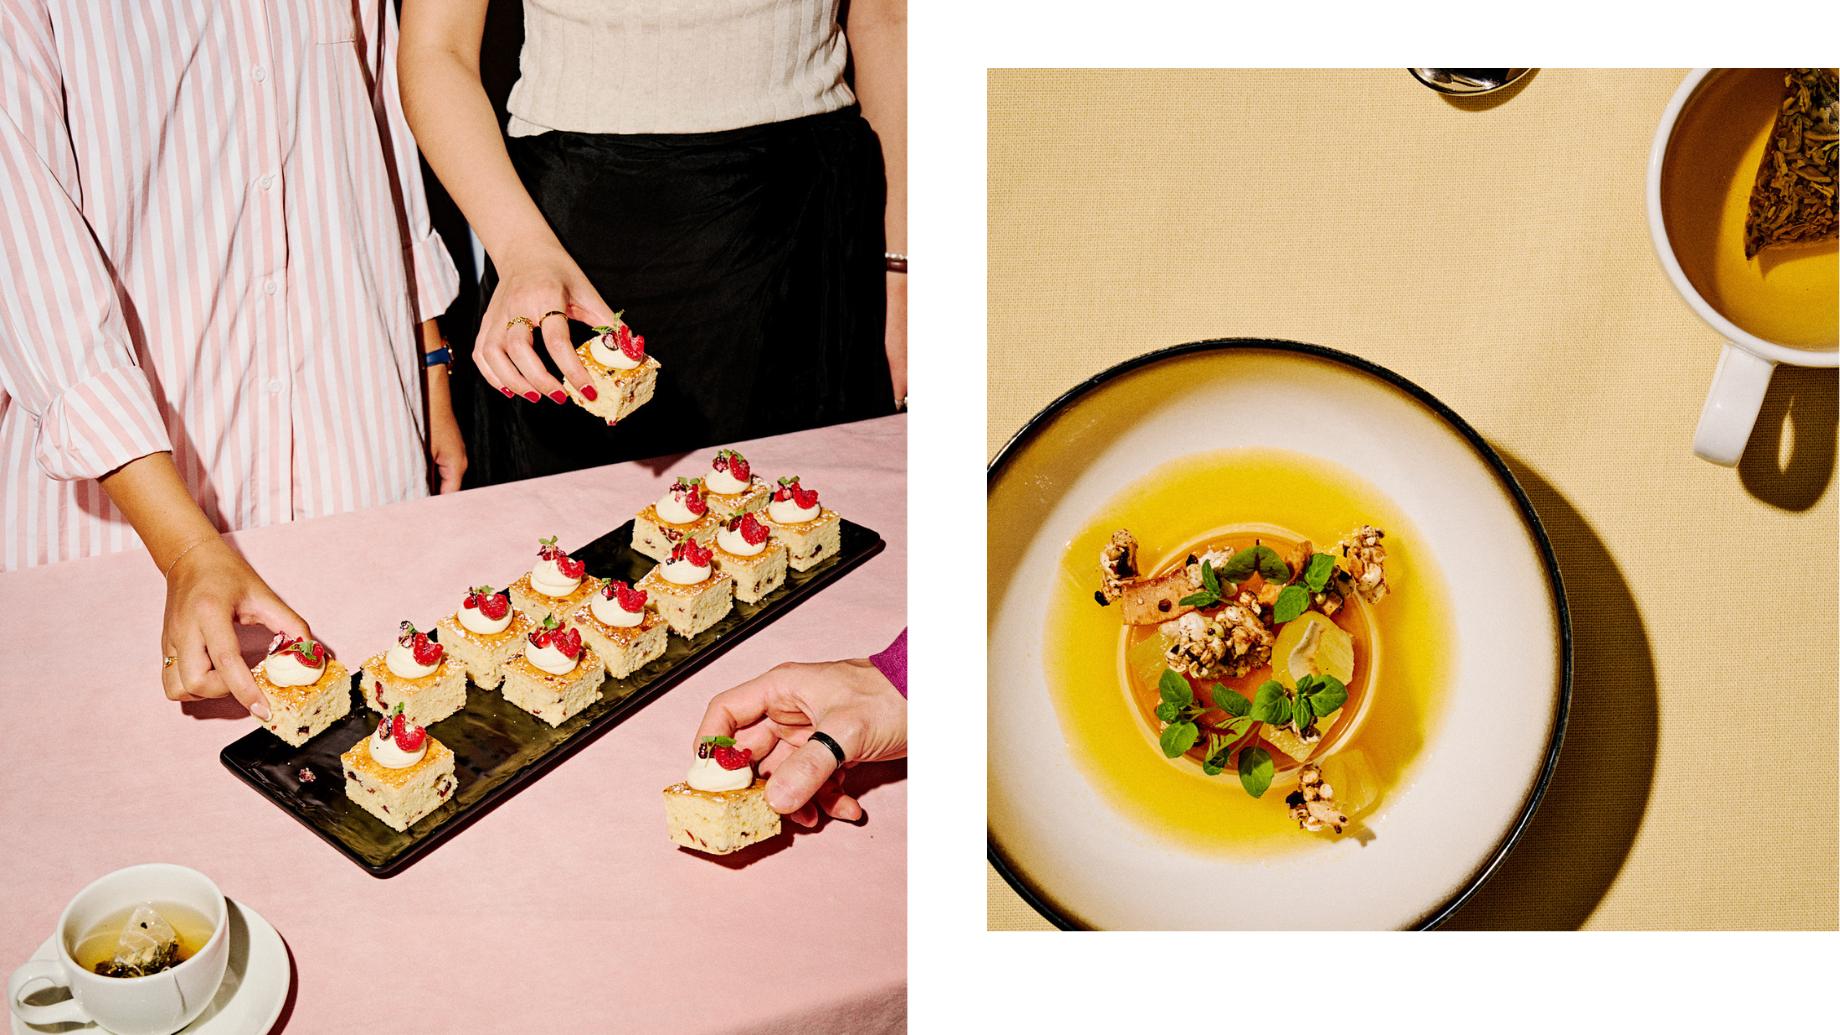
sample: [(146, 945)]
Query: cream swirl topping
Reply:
[(609, 612), (287, 669), (390, 755), (549, 659), (682, 571), (734, 542), (606, 351), (401, 661), (548, 579), (475, 620), (708, 775), (723, 481), (671, 508), (788, 512)]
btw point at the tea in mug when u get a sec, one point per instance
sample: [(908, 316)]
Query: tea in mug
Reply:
[(1787, 294), (142, 939)]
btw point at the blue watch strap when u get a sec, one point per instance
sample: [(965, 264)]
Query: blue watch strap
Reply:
[(438, 357)]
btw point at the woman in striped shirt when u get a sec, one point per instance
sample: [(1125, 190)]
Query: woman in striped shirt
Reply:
[(217, 283)]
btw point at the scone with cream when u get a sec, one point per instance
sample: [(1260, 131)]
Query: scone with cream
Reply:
[(811, 533), (399, 773), (556, 676), (621, 629), (751, 556), (484, 634), (690, 594), (306, 687), (557, 584), (731, 487), (720, 807), (681, 514), (621, 377), (416, 674)]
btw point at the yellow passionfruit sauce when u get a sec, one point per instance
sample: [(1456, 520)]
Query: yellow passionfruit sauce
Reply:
[(1227, 497)]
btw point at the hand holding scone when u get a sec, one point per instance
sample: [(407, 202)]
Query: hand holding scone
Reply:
[(774, 715), (207, 589), (527, 291)]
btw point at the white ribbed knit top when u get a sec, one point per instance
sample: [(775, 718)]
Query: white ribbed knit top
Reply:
[(676, 66)]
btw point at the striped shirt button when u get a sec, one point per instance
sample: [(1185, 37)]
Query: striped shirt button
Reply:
[(275, 386), (268, 287), (266, 182), (258, 73)]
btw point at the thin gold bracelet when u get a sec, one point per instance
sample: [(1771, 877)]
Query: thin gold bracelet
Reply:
[(174, 563)]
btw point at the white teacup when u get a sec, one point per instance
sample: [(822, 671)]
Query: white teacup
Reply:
[(157, 1004), (1747, 361)]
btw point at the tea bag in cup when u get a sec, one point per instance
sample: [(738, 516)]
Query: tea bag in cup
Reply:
[(1793, 199), (147, 945)]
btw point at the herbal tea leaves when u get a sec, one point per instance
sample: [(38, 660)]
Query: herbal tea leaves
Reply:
[(1792, 200), (1260, 558)]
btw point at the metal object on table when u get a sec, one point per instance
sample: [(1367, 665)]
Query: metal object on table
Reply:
[(1467, 82)]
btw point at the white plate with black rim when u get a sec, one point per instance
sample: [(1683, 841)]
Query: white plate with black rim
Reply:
[(1472, 786)]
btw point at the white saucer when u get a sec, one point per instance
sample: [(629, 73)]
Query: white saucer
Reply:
[(255, 988)]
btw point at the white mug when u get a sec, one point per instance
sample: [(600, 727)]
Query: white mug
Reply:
[(1747, 361), (157, 1004)]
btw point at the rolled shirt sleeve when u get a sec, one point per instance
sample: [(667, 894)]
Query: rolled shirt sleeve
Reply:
[(65, 356)]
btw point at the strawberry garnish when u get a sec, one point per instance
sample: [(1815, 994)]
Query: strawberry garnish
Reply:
[(630, 600), (694, 552), (734, 463), (752, 531), (408, 736)]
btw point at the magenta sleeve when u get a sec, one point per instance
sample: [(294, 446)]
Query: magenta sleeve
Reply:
[(893, 662)]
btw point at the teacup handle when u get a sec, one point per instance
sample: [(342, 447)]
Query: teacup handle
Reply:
[(1732, 404), (51, 973)]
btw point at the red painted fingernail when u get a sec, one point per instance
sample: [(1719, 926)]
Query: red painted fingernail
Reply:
[(588, 392), (507, 391), (558, 396), (532, 396)]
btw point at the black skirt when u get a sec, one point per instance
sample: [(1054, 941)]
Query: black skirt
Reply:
[(751, 261)]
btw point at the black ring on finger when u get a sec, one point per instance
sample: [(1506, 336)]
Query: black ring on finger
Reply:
[(825, 739)]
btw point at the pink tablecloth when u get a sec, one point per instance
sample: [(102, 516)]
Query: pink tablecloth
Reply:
[(563, 909)]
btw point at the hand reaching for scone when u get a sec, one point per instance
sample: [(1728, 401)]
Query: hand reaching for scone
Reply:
[(208, 589), (775, 714)]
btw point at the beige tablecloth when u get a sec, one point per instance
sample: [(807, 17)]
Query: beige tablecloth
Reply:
[(1496, 253)]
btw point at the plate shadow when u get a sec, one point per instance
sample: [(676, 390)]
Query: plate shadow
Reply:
[(1581, 835)]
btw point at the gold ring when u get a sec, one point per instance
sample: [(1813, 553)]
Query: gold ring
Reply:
[(168, 661), (514, 321), (553, 312)]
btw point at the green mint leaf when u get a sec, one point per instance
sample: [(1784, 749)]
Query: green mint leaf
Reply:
[(1306, 685), (1292, 601), (1330, 695), (1174, 689), (1209, 581), (1272, 566), (1243, 563), (1178, 738), (1231, 701), (1200, 599), (1255, 770), (1301, 714), (1213, 766), (1168, 712), (1316, 574), (1238, 728), (1283, 709), (727, 742), (1265, 702)]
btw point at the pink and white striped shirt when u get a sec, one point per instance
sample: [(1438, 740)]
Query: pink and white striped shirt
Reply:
[(213, 240)]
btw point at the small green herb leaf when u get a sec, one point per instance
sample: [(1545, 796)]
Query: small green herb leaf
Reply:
[(1179, 737), (1330, 694), (1174, 689), (1316, 574), (1209, 581), (1292, 601), (727, 742), (1216, 761), (1168, 712), (1255, 770), (1201, 598), (1301, 713), (1238, 728), (1266, 701), (1272, 566), (1283, 717), (1230, 701)]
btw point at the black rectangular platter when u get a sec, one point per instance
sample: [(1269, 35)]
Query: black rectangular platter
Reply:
[(498, 747)]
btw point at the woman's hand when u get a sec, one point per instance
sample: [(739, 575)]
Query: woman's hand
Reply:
[(548, 282), (775, 713), (208, 588), (896, 336)]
